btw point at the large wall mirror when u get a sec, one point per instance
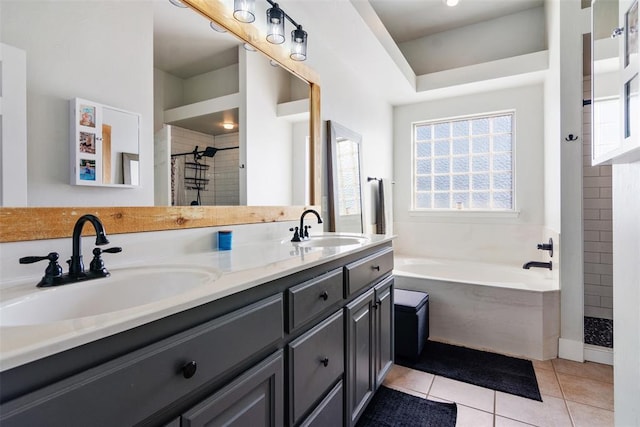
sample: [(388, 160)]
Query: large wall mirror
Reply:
[(188, 81), (345, 178)]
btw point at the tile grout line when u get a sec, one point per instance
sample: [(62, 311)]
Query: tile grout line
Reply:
[(564, 397)]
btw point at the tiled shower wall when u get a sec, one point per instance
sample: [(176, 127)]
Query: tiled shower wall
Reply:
[(223, 188), (598, 246)]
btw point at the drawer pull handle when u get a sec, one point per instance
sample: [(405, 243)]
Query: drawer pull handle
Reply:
[(189, 369), (325, 361), (324, 295), (376, 267)]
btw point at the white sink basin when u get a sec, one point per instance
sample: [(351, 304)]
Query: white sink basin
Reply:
[(125, 288), (333, 241)]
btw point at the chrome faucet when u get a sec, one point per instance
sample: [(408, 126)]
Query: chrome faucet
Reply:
[(76, 266), (53, 275), (530, 264), (302, 232)]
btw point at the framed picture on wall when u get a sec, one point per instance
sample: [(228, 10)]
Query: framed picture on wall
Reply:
[(87, 115)]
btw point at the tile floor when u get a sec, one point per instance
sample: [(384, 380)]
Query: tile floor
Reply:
[(574, 394)]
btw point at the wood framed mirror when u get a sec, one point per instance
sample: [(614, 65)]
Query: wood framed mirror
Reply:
[(344, 148), (34, 223)]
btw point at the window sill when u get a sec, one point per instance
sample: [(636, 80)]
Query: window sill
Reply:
[(464, 213)]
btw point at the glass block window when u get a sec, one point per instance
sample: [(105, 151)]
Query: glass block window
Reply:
[(466, 163)]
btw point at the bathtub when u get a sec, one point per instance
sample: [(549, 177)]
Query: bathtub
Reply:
[(494, 307)]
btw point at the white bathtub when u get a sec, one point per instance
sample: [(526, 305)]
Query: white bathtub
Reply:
[(496, 307)]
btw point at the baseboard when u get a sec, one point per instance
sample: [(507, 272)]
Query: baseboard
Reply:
[(594, 353), (571, 350)]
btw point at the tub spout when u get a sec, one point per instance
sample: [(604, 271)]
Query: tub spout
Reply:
[(530, 264)]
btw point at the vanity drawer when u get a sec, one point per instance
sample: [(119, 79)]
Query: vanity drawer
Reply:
[(367, 270), (316, 361), (129, 389), (329, 412), (308, 299)]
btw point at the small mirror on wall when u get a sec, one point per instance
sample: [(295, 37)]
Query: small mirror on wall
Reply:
[(104, 145), (345, 179)]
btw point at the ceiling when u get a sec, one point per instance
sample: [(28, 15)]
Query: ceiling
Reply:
[(407, 20), (185, 45)]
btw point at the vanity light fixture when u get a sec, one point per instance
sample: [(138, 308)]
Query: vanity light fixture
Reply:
[(298, 44), (244, 10), (451, 3), (228, 125), (275, 25)]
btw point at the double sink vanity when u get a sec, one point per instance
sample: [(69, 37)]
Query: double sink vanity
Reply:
[(273, 333)]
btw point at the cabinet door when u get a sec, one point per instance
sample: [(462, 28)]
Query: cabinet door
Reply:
[(383, 329), (329, 412), (359, 375), (316, 361), (254, 399)]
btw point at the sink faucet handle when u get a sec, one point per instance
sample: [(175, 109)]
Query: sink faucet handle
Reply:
[(97, 264), (306, 230), (296, 236), (53, 270)]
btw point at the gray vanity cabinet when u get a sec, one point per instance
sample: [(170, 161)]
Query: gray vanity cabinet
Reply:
[(369, 356), (308, 349), (127, 390)]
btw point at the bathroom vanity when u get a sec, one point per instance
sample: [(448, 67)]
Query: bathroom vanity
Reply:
[(304, 340)]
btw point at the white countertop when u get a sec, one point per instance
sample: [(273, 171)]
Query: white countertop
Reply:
[(245, 266)]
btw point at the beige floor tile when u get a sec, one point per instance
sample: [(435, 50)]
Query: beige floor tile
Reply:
[(507, 422), (409, 379), (551, 412), (548, 382), (471, 417), (594, 371), (463, 393), (589, 416), (406, 390), (587, 391), (542, 364)]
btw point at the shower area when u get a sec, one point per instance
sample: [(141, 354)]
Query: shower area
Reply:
[(204, 169), (597, 197)]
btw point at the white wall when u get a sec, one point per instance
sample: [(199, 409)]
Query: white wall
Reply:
[(213, 84), (13, 126), (504, 37), (83, 58), (626, 293), (471, 236), (268, 138)]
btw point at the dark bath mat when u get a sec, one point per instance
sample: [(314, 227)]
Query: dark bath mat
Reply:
[(392, 408), (490, 370)]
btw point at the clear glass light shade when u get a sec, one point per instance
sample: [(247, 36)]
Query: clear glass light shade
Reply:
[(244, 10), (275, 25), (178, 3), (298, 44), (217, 27)]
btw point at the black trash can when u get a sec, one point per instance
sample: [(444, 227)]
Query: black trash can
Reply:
[(411, 310)]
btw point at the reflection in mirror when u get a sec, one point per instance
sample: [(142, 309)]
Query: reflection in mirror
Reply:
[(210, 100), (345, 179), (167, 64), (104, 139)]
